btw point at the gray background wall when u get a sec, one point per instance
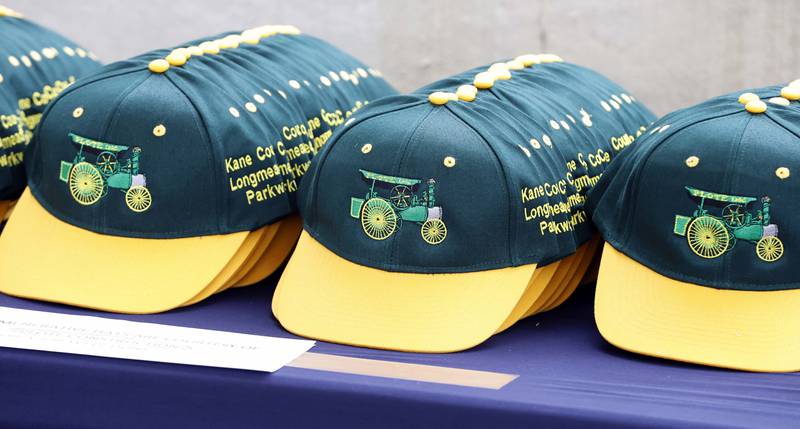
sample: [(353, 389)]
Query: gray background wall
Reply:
[(669, 53)]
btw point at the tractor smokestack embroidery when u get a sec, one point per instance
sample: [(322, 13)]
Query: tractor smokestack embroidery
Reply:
[(379, 214), (710, 236), (88, 182)]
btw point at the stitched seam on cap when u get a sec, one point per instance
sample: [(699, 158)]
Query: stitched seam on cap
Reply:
[(210, 162), (498, 165), (395, 244)]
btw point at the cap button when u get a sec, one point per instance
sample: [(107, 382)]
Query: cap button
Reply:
[(756, 106), (748, 97), (176, 58), (467, 92), (209, 47), (195, 50), (779, 101), (484, 80), (515, 64), (791, 93), (529, 59), (158, 66), (438, 98)]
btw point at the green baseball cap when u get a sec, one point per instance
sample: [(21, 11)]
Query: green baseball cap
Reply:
[(154, 180), (36, 64), (698, 264), (427, 215)]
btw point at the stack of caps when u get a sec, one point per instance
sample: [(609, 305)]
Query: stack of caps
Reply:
[(437, 219), (699, 262), (168, 177), (36, 64)]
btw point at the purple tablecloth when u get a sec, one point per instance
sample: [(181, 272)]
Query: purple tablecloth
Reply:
[(568, 377)]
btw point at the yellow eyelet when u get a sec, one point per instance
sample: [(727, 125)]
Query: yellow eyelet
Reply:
[(234, 112), (692, 161), (782, 173), (367, 148), (250, 107), (77, 112), (449, 162), (159, 130)]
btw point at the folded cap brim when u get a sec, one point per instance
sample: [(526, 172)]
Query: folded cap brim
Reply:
[(47, 259), (575, 279), (642, 311), (324, 296), (537, 286), (236, 264), (279, 249)]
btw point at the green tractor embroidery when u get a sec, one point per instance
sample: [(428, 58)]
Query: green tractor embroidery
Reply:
[(710, 236), (88, 182), (379, 215)]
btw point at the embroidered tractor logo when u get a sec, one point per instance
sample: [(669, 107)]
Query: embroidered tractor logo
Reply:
[(710, 236), (380, 215), (88, 182)]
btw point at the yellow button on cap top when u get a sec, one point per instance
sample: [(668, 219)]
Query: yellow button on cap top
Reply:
[(756, 106), (747, 97), (484, 80), (500, 71), (438, 98), (251, 37), (550, 58), (195, 51), (158, 66), (791, 93), (210, 47), (176, 58), (795, 83), (529, 59), (515, 65), (182, 51), (467, 92), (779, 101)]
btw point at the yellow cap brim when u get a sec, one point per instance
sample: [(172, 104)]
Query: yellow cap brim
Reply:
[(321, 295), (234, 266), (267, 235), (536, 287), (589, 249), (564, 277), (639, 310), (278, 251), (552, 287), (47, 259)]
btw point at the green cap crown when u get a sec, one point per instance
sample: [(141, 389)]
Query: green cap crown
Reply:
[(208, 138), (482, 170), (36, 65), (708, 196)]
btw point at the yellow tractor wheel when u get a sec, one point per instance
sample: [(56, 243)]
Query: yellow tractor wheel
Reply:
[(769, 249), (433, 231), (378, 219), (707, 237), (86, 184), (138, 198)]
